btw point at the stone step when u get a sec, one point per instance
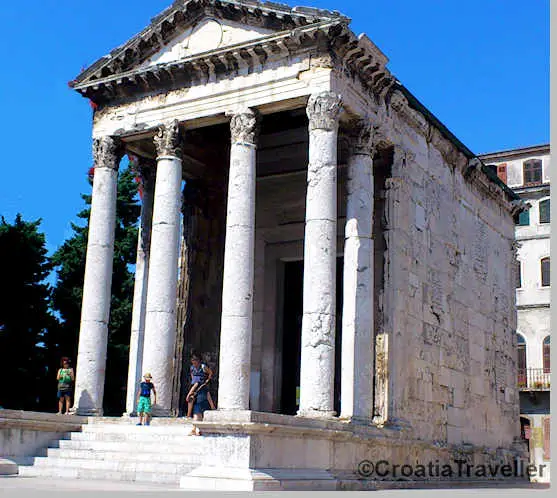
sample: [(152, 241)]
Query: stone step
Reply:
[(120, 465), (142, 434), (191, 444), (75, 473), (184, 428), (155, 421), (133, 455)]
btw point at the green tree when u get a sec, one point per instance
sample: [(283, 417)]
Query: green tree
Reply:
[(69, 262), (25, 320)]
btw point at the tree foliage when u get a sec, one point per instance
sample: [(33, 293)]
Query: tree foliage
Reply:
[(25, 320)]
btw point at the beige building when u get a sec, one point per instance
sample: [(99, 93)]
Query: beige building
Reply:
[(526, 171), (347, 263)]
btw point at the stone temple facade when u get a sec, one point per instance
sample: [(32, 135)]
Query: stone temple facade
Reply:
[(343, 260)]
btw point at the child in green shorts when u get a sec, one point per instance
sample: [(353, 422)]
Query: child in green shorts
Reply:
[(144, 404)]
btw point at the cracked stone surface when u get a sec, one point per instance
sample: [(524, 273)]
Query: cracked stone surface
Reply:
[(318, 321), (358, 284), (238, 273)]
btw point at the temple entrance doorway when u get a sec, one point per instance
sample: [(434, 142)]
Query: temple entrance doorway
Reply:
[(292, 311)]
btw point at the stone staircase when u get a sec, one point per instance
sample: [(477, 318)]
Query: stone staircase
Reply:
[(117, 449)]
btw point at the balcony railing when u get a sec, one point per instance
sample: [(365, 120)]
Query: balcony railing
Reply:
[(533, 379)]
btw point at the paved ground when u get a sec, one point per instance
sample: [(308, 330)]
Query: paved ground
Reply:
[(45, 484)]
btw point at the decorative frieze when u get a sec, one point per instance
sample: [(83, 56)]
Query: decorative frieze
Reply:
[(168, 140), (323, 110)]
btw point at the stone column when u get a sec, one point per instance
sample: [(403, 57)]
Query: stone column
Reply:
[(140, 288), (357, 314), (160, 317), (238, 275), (95, 308), (320, 252)]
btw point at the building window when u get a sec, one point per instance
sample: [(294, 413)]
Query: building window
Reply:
[(546, 439), (502, 172), (532, 170), (521, 360), (523, 219), (545, 272), (518, 275), (545, 216), (546, 355)]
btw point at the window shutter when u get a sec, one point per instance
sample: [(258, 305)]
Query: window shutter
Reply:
[(545, 216), (532, 171), (546, 355), (523, 219), (545, 264), (502, 172)]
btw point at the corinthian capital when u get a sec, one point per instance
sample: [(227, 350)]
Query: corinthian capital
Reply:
[(107, 152), (365, 137), (323, 110), (244, 127), (361, 135), (168, 140)]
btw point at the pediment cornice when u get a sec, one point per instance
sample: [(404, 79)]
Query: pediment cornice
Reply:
[(354, 56), (183, 13)]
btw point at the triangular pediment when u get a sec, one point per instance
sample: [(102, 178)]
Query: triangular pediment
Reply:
[(191, 27), (206, 35)]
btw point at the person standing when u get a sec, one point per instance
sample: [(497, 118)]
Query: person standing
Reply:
[(199, 398), (144, 403), (65, 378)]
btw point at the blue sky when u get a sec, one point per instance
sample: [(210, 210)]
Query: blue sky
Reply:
[(481, 66)]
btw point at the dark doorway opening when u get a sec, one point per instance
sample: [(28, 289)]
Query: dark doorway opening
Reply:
[(292, 334)]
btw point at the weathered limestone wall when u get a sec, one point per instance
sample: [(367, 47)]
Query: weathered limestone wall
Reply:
[(449, 305)]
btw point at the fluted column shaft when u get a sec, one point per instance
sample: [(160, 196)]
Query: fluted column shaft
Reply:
[(140, 287), (238, 275), (160, 317), (95, 308), (358, 304), (317, 367)]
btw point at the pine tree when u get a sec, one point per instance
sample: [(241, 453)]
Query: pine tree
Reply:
[(25, 320), (69, 262)]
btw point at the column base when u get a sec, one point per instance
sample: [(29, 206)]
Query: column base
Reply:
[(312, 413), (87, 412), (356, 420), (158, 411)]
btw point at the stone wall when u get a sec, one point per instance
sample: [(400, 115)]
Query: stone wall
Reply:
[(450, 316), (25, 434)]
